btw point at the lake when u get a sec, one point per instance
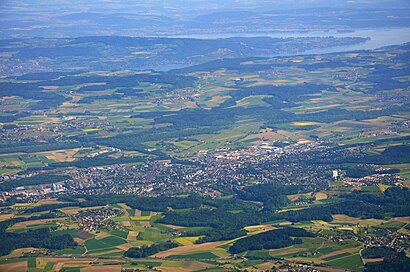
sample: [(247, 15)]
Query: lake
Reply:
[(379, 37)]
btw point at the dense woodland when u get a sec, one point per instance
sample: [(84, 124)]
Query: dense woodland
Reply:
[(39, 238), (145, 251), (270, 240), (393, 261)]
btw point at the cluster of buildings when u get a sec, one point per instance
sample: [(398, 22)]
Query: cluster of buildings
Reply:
[(20, 134), (389, 238), (94, 219), (375, 180), (210, 172), (207, 174), (180, 95)]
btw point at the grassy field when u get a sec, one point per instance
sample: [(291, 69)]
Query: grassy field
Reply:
[(353, 263)]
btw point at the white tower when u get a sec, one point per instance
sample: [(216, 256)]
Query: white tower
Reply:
[(335, 174)]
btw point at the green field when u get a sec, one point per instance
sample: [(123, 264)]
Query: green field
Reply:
[(352, 262)]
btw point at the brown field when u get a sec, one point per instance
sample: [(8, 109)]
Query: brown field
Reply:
[(58, 266), (145, 224), (105, 268), (126, 223), (124, 246), (174, 227), (132, 235), (14, 267), (36, 222), (373, 260), (76, 210), (190, 104), (79, 241), (49, 201), (405, 219), (187, 249), (217, 100), (296, 196), (137, 213), (265, 266), (65, 155), (19, 252), (84, 234), (49, 87), (59, 262), (195, 265), (320, 196), (4, 217)]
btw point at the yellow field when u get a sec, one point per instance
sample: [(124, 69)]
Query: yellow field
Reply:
[(303, 124), (187, 240), (259, 228), (383, 187), (132, 235), (320, 196), (90, 129), (24, 205), (141, 218), (320, 222), (141, 53)]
